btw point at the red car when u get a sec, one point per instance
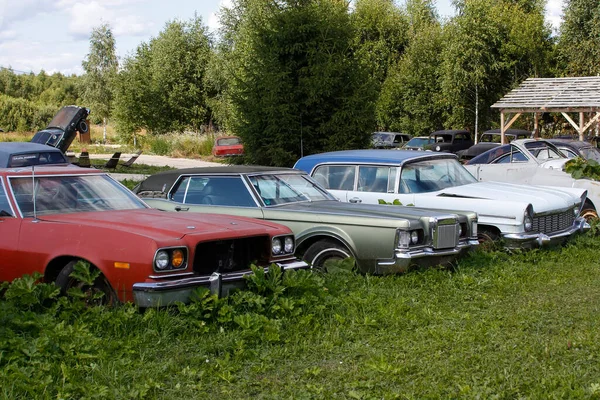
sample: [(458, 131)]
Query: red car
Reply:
[(228, 146), (57, 215)]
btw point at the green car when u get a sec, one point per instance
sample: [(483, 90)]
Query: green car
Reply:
[(381, 239)]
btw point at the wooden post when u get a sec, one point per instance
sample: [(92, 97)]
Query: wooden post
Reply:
[(581, 126), (536, 127), (502, 136)]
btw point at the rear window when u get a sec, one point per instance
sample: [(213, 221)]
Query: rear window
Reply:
[(25, 160)]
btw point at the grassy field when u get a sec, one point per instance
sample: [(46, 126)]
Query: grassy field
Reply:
[(495, 326), (189, 145)]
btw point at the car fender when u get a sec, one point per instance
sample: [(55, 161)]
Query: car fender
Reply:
[(593, 190), (328, 231)]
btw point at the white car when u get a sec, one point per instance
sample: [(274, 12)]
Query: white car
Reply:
[(533, 162), (523, 216)]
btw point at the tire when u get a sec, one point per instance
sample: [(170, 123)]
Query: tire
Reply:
[(101, 285), (323, 251), (589, 212), (487, 238), (83, 127)]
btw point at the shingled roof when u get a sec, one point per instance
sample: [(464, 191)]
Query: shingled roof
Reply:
[(578, 94)]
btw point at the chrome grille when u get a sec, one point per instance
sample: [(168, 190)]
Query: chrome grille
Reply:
[(554, 222), (445, 234)]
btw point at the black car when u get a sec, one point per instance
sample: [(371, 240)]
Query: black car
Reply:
[(25, 154), (389, 140), (576, 148), (490, 139), (63, 128), (450, 141)]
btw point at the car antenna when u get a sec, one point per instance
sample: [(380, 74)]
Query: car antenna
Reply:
[(33, 193)]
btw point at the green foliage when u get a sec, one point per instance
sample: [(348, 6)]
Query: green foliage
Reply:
[(295, 84), (100, 67), (580, 169), (20, 115), (579, 40), (54, 90), (160, 146), (396, 202), (490, 47), (161, 86)]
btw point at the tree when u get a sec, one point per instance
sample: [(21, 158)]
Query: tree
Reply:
[(161, 88), (491, 46), (410, 97), (100, 66), (295, 84), (579, 41)]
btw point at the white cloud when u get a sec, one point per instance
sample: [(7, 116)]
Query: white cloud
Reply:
[(33, 56), (7, 35), (85, 15), (213, 22), (554, 11)]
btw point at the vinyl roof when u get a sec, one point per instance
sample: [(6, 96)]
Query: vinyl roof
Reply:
[(578, 94)]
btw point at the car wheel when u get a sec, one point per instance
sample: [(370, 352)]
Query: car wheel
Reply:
[(83, 127), (588, 212), (487, 238), (323, 252), (101, 285)]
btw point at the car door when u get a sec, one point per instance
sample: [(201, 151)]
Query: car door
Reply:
[(10, 228), (220, 194), (374, 183), (339, 180)]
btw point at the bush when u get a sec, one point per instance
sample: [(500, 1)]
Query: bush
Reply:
[(23, 116)]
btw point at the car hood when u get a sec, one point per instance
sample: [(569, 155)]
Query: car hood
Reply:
[(543, 199), (332, 211), (160, 225)]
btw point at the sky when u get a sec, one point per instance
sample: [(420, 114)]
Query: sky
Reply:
[(53, 35)]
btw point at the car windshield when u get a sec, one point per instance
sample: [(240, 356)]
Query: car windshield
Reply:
[(63, 118), (382, 137), (228, 141), (71, 194), (288, 188), (433, 175), (590, 153), (418, 142)]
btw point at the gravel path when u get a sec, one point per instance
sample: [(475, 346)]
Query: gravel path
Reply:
[(158, 161)]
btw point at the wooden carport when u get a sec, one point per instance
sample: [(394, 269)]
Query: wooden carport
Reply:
[(560, 95)]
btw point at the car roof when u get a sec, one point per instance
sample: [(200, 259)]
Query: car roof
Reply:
[(373, 156), (9, 149), (449, 132), (164, 180), (570, 143), (510, 131), (55, 169)]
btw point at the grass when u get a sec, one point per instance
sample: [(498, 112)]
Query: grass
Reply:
[(495, 326)]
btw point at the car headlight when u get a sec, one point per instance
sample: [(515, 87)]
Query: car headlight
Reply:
[(167, 259), (276, 246), (403, 239), (437, 148), (460, 230), (414, 237), (527, 222), (288, 244), (576, 210), (161, 261)]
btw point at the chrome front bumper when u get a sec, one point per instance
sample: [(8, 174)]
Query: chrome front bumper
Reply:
[(162, 293), (532, 240), (424, 257)]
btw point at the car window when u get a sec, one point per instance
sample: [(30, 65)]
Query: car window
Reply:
[(568, 152), (25, 160), (275, 191), (307, 187), (217, 190), (432, 175), (376, 179), (4, 203), (398, 139), (335, 177), (543, 150), (508, 158)]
